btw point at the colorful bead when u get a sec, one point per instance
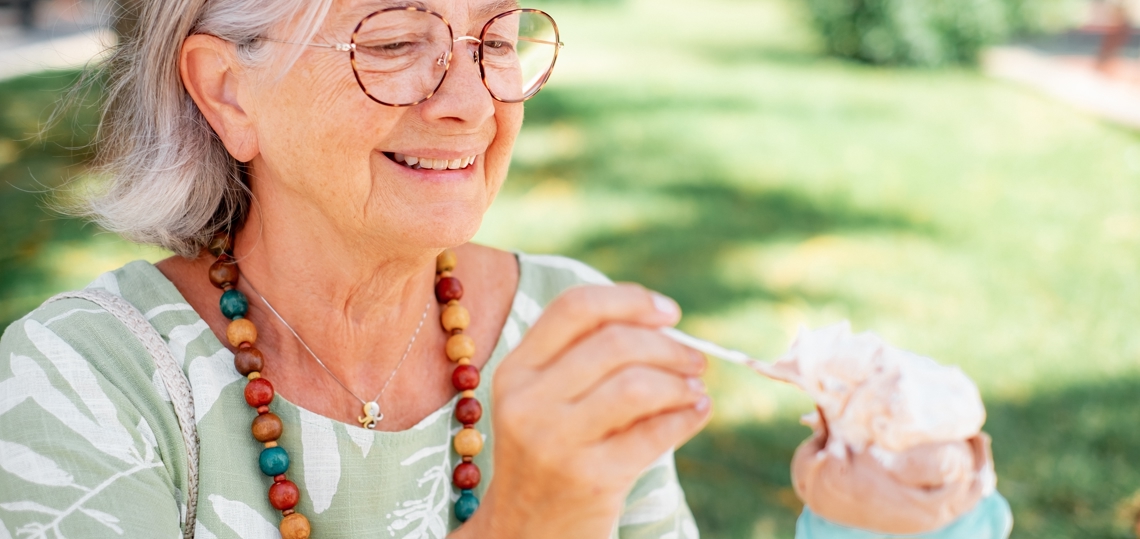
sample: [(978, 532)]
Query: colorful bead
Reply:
[(249, 360), (258, 393), (469, 394), (284, 495), (295, 526), (465, 377), (448, 289), (468, 442), (460, 346), (466, 476), (466, 505), (454, 317), (266, 427), (224, 272), (234, 304), (241, 331), (468, 411), (445, 261), (273, 461)]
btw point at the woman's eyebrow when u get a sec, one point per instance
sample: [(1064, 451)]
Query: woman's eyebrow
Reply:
[(491, 9)]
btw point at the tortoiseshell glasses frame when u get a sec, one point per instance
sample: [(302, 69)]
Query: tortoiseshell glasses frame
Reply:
[(440, 61)]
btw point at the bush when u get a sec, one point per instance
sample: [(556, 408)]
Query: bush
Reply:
[(928, 32)]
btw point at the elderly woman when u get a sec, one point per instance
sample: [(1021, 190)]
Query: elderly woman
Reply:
[(355, 367)]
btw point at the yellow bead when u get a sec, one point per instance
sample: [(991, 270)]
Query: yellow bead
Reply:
[(254, 375), (464, 361), (468, 442), (295, 526), (453, 317), (460, 346), (445, 261), (270, 444), (241, 330), (468, 394)]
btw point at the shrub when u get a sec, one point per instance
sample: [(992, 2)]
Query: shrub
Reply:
[(928, 32)]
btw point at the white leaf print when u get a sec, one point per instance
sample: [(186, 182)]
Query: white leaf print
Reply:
[(242, 519), (148, 439), (202, 532), (21, 461), (104, 519), (430, 420), (106, 281), (208, 376), (689, 529), (182, 336), (321, 458), (159, 386), (363, 439), (30, 381), (4, 531), (582, 271), (167, 308), (511, 333), (657, 505), (29, 506), (426, 517), (527, 308), (68, 314)]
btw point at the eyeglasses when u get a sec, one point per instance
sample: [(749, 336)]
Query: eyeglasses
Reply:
[(401, 55)]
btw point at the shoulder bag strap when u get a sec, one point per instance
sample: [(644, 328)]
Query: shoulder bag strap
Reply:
[(177, 385)]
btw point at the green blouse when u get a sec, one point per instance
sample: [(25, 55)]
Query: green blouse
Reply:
[(90, 444)]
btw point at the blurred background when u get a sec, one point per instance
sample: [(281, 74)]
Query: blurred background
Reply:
[(960, 176)]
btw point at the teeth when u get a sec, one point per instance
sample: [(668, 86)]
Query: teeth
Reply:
[(434, 164)]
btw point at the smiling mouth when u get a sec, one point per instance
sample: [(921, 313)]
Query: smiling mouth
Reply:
[(425, 163)]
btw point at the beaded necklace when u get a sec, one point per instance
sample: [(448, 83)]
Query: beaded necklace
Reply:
[(267, 427)]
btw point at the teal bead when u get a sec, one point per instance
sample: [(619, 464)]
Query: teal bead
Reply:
[(273, 461), (466, 505), (233, 304)]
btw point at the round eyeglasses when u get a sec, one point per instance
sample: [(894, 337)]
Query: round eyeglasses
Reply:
[(401, 55)]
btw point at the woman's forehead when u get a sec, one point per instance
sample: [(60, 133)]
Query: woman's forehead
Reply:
[(350, 12)]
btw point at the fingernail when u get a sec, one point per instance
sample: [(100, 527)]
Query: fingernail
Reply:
[(665, 305), (703, 404), (696, 384)]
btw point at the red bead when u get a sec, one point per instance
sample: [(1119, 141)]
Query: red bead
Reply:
[(263, 409), (447, 289), (278, 478), (468, 411), (259, 392), (284, 495), (466, 476), (465, 377)]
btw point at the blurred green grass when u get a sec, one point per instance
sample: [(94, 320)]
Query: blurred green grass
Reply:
[(713, 153)]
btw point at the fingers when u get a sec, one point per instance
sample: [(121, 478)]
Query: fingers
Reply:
[(581, 310), (633, 394), (645, 441), (614, 347)]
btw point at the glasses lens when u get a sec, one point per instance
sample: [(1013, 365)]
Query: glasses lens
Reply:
[(518, 53), (401, 56)]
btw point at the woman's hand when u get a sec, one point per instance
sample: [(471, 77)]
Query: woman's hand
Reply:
[(586, 402)]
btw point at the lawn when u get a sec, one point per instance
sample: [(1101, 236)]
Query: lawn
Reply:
[(709, 151)]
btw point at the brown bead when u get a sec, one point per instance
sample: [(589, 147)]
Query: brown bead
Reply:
[(249, 360), (460, 346), (445, 261), (284, 495), (468, 411), (266, 427), (295, 526), (224, 272), (468, 442), (466, 476), (455, 316), (258, 393), (241, 330), (465, 377), (222, 243), (448, 289)]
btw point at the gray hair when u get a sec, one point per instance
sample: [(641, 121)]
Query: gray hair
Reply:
[(167, 179)]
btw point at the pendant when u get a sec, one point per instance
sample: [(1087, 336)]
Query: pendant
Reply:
[(371, 415)]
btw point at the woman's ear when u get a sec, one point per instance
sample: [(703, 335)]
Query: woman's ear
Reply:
[(213, 78)]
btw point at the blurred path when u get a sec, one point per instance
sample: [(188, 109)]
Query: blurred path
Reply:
[(1064, 67), (66, 34)]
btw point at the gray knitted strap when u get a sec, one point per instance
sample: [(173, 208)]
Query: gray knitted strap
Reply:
[(177, 385)]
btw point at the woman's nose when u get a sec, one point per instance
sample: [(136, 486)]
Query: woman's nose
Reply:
[(462, 96)]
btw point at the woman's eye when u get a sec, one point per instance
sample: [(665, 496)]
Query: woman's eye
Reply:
[(498, 46)]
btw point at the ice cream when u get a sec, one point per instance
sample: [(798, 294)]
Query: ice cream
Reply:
[(898, 445)]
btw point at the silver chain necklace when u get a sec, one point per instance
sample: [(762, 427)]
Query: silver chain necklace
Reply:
[(372, 414)]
